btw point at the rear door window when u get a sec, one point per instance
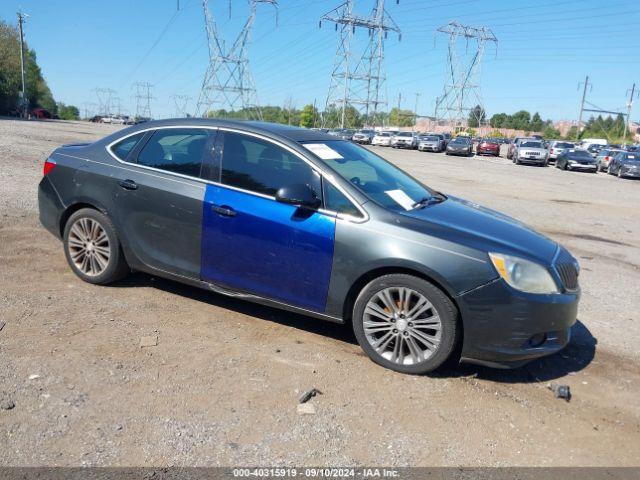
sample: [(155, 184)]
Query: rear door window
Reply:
[(176, 150), (123, 148)]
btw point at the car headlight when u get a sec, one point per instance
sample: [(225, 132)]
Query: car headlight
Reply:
[(523, 275)]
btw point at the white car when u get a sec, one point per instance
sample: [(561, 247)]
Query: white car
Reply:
[(404, 140), (382, 139), (557, 147)]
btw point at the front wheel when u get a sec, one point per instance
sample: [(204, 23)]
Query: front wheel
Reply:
[(405, 323), (92, 247)]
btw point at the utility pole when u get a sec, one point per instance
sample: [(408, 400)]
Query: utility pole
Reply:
[(23, 94), (584, 97), (358, 80), (415, 111), (629, 105), (143, 99)]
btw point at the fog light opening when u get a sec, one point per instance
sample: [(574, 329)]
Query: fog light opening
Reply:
[(537, 340)]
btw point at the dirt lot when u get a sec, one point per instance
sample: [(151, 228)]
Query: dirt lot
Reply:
[(221, 386)]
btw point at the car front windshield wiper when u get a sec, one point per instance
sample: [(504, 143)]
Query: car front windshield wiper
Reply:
[(437, 197)]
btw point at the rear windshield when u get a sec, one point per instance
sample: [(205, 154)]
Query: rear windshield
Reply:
[(579, 154), (564, 145)]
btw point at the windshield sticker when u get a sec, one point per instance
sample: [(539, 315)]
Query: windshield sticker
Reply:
[(401, 199), (323, 151)]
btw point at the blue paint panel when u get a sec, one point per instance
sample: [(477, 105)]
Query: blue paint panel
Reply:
[(268, 248)]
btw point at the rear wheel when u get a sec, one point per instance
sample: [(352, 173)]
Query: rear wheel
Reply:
[(405, 323), (92, 248)]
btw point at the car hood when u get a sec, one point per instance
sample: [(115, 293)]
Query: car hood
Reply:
[(483, 229), (458, 145), (430, 142)]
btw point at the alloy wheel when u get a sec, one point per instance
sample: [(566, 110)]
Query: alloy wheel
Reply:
[(402, 325), (89, 247)]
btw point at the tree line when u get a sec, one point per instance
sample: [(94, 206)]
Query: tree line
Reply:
[(37, 90)]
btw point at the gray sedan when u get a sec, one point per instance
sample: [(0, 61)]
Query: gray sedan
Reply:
[(303, 221)]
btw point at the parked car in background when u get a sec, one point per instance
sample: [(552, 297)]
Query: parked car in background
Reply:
[(431, 143), (310, 223), (41, 113), (404, 140), (585, 143), (447, 138), (604, 158), (460, 146), (488, 146), (625, 164), (334, 132), (514, 144), (363, 136), (531, 152), (594, 149), (382, 139), (346, 134), (576, 159), (96, 119), (556, 147)]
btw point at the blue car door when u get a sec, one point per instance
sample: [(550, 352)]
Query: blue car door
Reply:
[(253, 243)]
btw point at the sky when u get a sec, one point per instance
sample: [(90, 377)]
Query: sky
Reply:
[(545, 49)]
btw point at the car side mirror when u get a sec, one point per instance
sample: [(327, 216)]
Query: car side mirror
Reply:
[(298, 194)]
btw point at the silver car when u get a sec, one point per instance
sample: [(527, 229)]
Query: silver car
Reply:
[(404, 140), (532, 152), (363, 136), (556, 147), (431, 143)]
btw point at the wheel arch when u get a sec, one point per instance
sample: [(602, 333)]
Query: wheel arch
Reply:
[(374, 273), (73, 208)]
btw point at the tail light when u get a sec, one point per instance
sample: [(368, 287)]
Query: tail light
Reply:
[(48, 166)]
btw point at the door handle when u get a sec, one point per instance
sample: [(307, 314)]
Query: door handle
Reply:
[(226, 211), (128, 184)]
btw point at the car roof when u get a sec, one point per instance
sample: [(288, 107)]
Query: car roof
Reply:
[(289, 132)]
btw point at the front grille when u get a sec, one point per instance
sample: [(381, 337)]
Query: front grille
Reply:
[(566, 267)]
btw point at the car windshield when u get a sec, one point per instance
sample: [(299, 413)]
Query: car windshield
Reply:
[(579, 155), (375, 177), (429, 138), (461, 141), (405, 134), (564, 145), (384, 134), (531, 144)]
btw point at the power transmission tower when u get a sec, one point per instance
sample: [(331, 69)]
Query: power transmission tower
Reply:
[(180, 102), (143, 99), (105, 100), (24, 102), (359, 81), (461, 91), (228, 82)]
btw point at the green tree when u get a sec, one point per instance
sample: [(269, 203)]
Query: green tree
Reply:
[(401, 118), (68, 112), (520, 120), (308, 116), (536, 123), (477, 117), (499, 120), (550, 132)]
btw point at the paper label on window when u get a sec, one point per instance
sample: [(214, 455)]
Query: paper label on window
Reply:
[(401, 198), (323, 151)]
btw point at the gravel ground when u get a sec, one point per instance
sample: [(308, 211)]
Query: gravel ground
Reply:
[(221, 386)]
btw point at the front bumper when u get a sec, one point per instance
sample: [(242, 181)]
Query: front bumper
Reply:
[(500, 323), (428, 147), (458, 152), (489, 151), (582, 166), (402, 145), (635, 173)]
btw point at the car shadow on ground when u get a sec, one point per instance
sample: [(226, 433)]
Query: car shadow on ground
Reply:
[(577, 355)]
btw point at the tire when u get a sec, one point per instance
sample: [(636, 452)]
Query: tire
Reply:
[(620, 175), (441, 306), (609, 170), (105, 267)]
